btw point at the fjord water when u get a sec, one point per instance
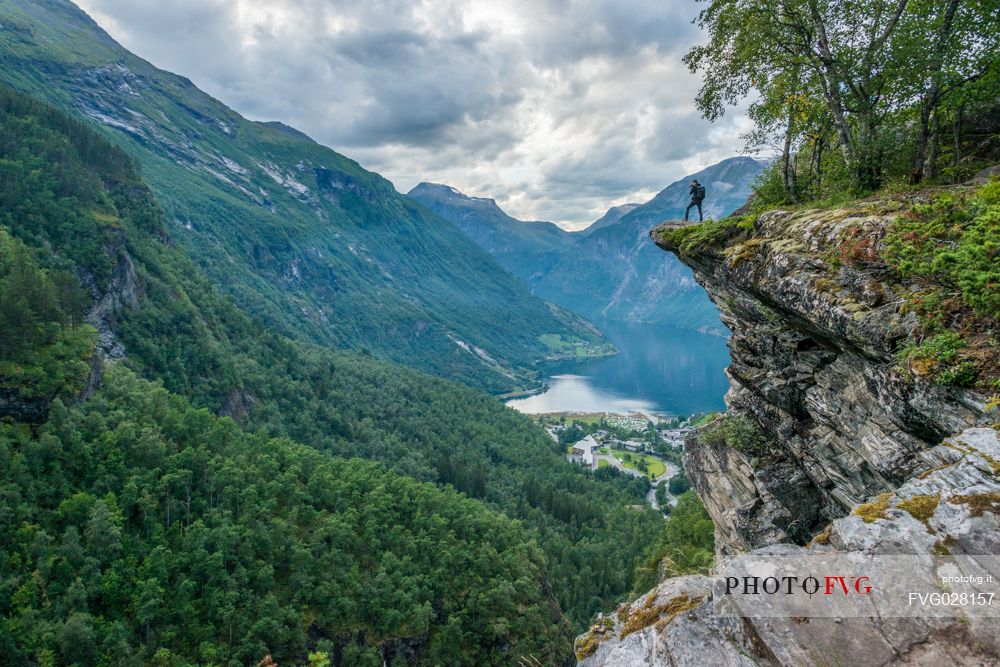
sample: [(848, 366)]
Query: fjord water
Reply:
[(658, 369)]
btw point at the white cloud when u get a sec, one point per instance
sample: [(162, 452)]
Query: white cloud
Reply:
[(557, 108)]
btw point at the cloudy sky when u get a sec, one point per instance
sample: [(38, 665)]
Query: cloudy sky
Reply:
[(557, 108)]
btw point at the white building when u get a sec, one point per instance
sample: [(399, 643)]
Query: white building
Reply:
[(584, 451)]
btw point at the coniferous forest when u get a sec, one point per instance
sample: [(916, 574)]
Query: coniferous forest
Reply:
[(202, 499)]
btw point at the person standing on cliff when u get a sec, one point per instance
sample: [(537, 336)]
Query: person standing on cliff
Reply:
[(697, 191)]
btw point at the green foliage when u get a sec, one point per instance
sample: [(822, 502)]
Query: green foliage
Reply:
[(689, 239), (858, 94), (962, 374), (831, 191), (704, 419), (185, 334), (686, 545), (137, 527), (661, 494), (938, 356), (942, 348), (44, 348), (947, 251), (572, 434), (317, 248), (679, 484), (644, 463), (58, 180), (953, 242), (739, 432)]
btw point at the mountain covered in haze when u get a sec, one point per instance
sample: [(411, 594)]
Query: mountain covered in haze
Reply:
[(611, 216), (610, 270), (524, 248), (317, 247)]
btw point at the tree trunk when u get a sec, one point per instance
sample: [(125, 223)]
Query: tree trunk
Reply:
[(831, 81), (957, 157), (867, 168), (923, 138), (820, 145), (787, 169), (924, 164), (934, 149)]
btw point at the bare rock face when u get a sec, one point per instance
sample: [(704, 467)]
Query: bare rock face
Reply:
[(672, 624), (814, 365), (861, 456), (123, 292), (950, 505)]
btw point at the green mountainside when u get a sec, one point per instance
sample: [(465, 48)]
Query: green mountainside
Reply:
[(315, 246), (611, 270), (139, 527)]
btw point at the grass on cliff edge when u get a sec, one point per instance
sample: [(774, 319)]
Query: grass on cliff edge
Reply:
[(688, 239), (943, 253)]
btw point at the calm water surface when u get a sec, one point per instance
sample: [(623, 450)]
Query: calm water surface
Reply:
[(658, 369)]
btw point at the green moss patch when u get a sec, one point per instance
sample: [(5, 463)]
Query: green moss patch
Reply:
[(739, 432), (586, 645), (870, 512), (920, 507), (661, 614), (947, 252), (711, 233)]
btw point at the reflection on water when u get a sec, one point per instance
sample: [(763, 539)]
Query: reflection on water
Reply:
[(657, 369), (576, 393)]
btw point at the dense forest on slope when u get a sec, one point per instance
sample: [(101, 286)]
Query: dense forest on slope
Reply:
[(76, 207), (139, 530), (315, 246)]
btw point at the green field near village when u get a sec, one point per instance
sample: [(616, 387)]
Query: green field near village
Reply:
[(655, 467)]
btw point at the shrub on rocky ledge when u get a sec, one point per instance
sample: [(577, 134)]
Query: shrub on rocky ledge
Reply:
[(947, 251), (738, 432)]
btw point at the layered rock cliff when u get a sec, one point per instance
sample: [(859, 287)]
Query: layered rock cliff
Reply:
[(830, 444)]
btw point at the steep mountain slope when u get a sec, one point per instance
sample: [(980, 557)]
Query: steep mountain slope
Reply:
[(526, 249), (82, 235), (315, 245), (613, 215), (611, 270), (727, 185)]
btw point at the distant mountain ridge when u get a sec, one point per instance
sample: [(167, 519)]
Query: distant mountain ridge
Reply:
[(610, 270), (613, 215), (515, 244), (317, 247)]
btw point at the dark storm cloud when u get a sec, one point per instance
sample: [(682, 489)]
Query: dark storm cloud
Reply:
[(556, 108)]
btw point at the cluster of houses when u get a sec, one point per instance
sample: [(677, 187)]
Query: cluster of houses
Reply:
[(586, 451), (633, 422)]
